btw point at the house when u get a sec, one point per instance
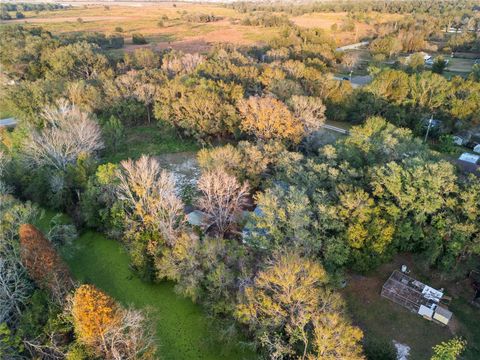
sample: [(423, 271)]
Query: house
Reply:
[(416, 297), (476, 149), (197, 218), (461, 138), (470, 158)]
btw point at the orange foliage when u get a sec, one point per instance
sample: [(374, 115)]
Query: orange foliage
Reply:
[(94, 313), (42, 262)]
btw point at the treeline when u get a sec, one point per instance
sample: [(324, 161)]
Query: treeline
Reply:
[(31, 6), (383, 6), (6, 8), (266, 20)]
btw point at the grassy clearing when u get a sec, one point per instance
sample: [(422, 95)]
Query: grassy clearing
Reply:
[(384, 320), (183, 331), (150, 140)]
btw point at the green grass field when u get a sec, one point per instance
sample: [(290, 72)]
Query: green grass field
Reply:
[(184, 332), (149, 140)]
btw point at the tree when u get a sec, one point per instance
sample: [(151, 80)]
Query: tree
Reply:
[(43, 264), (200, 108), (284, 218), (113, 130), (449, 350), (80, 60), (286, 300), (334, 338), (67, 134), (177, 63), (94, 314), (14, 289), (268, 119), (392, 85), (132, 338), (138, 39), (439, 65), (310, 111), (112, 332), (149, 199), (223, 199), (387, 46), (247, 161)]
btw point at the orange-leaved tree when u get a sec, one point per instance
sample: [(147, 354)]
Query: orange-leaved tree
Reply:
[(43, 263), (94, 314)]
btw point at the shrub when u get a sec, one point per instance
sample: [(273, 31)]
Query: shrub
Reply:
[(376, 349), (138, 39)]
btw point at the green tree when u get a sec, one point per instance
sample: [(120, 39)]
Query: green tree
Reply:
[(113, 131), (439, 65), (449, 350)]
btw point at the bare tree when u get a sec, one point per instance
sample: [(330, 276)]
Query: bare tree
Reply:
[(68, 133), (310, 111), (149, 197), (4, 188), (223, 198), (14, 289), (146, 93), (178, 63), (132, 338)]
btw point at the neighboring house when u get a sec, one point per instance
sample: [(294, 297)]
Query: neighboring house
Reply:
[(197, 218), (461, 138), (8, 123), (476, 149)]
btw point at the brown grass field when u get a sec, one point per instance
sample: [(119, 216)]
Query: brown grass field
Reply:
[(176, 32)]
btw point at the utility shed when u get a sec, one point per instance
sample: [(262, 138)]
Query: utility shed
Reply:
[(416, 297), (442, 315)]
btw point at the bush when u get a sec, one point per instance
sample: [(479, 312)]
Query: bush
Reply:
[(138, 39), (119, 29), (116, 42), (376, 349)]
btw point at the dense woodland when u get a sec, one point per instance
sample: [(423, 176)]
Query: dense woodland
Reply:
[(321, 208)]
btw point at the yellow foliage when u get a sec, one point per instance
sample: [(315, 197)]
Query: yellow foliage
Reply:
[(94, 313), (268, 119)]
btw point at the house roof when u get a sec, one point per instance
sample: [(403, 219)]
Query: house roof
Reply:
[(471, 158)]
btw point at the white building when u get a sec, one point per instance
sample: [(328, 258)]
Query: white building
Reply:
[(470, 158)]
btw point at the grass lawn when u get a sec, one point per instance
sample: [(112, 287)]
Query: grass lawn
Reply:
[(184, 332), (149, 140), (385, 320)]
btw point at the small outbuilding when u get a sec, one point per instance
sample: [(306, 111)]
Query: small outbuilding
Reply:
[(470, 158), (442, 315)]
